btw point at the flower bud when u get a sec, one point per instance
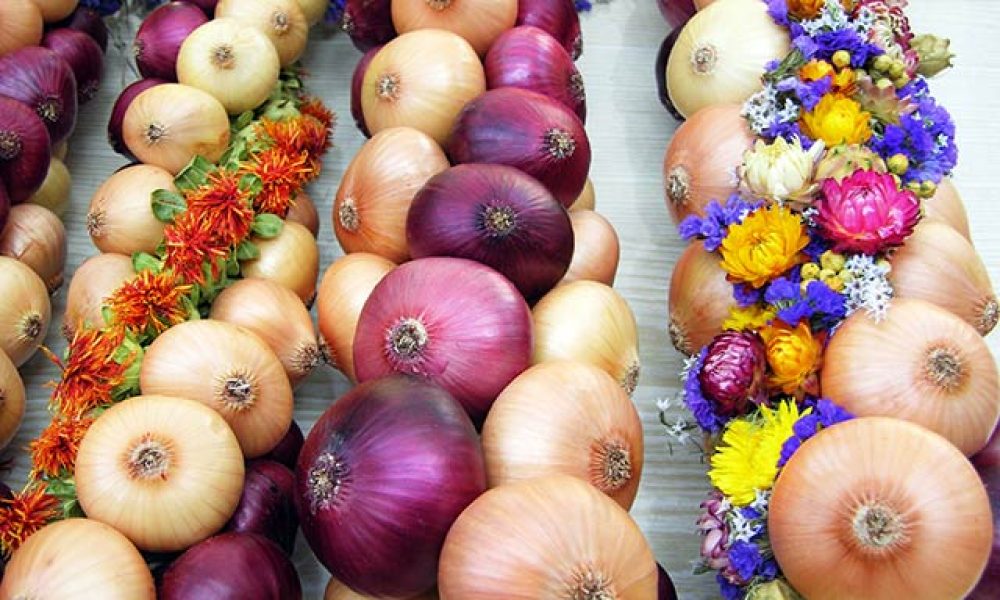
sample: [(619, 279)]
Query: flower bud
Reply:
[(897, 69), (927, 189), (883, 84), (898, 163), (810, 271), (841, 59), (934, 52), (832, 261), (835, 283), (882, 63)]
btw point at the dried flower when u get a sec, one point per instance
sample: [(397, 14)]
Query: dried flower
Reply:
[(23, 515), (712, 525), (93, 370), (191, 243), (282, 176), (866, 212), (934, 52), (766, 244), (733, 373), (842, 161), (794, 356), (837, 119), (150, 303), (53, 452), (224, 206), (781, 171)]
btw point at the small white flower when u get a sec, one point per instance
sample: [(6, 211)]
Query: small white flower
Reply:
[(869, 290)]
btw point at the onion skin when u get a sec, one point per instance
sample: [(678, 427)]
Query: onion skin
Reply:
[(661, 69), (22, 25), (41, 79), (159, 39), (665, 586), (699, 300), (55, 190), (94, 280), (24, 150), (35, 236), (55, 10), (595, 250), (4, 205), (368, 22), (287, 450), (207, 6), (303, 212), (291, 259), (267, 506), (528, 131), (480, 22), (120, 218), (587, 200), (232, 566), (83, 55), (357, 82), (558, 18), (677, 12), (336, 590), (12, 398), (387, 469), (88, 21), (115, 136), (987, 464), (947, 206)]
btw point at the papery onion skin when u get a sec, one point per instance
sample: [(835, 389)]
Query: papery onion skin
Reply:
[(88, 21), (947, 206), (596, 248), (335, 590), (876, 500), (498, 216), (677, 12), (83, 55), (282, 21), (699, 301), (22, 25), (987, 464), (383, 474), (41, 79), (75, 558), (115, 123), (267, 506), (291, 259), (442, 319), (24, 150), (480, 22), (232, 566), (55, 190), (556, 17), (208, 6), (528, 131), (357, 83), (120, 218), (368, 22), (287, 450), (159, 39), (587, 199), (94, 280), (35, 236), (303, 212), (553, 537), (12, 397), (4, 205), (25, 312), (661, 69), (54, 10)]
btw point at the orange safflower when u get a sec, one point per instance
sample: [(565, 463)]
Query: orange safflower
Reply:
[(282, 176), (150, 303), (54, 450), (91, 372), (23, 515), (223, 205), (190, 242), (300, 135), (315, 108)]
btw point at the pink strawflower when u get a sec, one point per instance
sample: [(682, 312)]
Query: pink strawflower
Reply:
[(866, 212), (713, 526)]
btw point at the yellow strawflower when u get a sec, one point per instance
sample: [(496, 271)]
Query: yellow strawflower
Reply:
[(793, 354), (766, 244), (836, 120)]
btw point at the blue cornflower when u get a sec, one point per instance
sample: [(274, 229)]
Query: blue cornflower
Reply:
[(778, 10), (861, 50), (701, 407), (820, 304), (713, 227), (745, 559)]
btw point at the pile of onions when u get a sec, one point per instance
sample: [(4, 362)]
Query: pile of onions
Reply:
[(421, 79), (25, 311), (987, 464), (552, 537), (558, 18), (278, 317), (443, 319), (368, 22), (91, 22), (76, 558), (174, 458), (699, 301), (159, 39), (922, 364), (480, 22), (282, 21), (303, 212), (11, 400), (531, 59), (703, 158), (290, 259), (94, 281), (56, 10), (595, 248), (721, 54), (267, 506), (228, 368), (357, 84), (586, 427), (41, 80), (116, 122), (24, 150), (369, 212), (22, 25), (387, 469), (168, 125), (335, 590), (946, 206), (55, 190), (35, 236), (866, 505), (83, 55), (529, 131), (591, 323), (498, 216), (121, 218), (939, 265)]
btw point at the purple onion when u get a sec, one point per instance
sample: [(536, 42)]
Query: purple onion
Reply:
[(25, 151), (531, 59), (88, 21), (987, 464), (207, 6), (556, 17), (5, 492), (83, 55), (357, 80), (664, 585), (41, 80), (383, 474), (446, 319), (498, 216), (368, 22), (661, 72), (677, 12), (160, 36), (287, 450), (527, 130), (232, 566), (115, 122), (4, 214), (267, 506)]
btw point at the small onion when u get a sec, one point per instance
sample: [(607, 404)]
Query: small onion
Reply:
[(267, 506), (372, 203), (554, 537), (526, 130), (587, 200), (159, 39), (345, 288), (703, 158), (228, 368), (12, 397), (368, 22), (335, 590), (25, 311), (235, 63), (480, 22), (41, 80), (173, 457), (55, 190), (35, 236), (282, 21), (116, 137), (24, 150), (947, 206), (303, 212), (531, 59), (94, 281), (595, 250), (56, 10), (591, 323), (443, 319), (83, 55), (421, 79), (314, 10), (91, 22), (558, 18), (383, 474), (876, 501), (121, 218), (357, 84), (700, 299), (586, 427), (661, 70), (922, 364), (74, 559), (22, 25), (287, 450), (291, 259)]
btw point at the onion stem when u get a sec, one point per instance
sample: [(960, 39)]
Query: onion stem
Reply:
[(439, 5), (10, 145), (630, 380), (611, 467), (31, 327), (944, 369), (878, 527), (325, 481), (238, 391), (388, 87), (279, 21), (560, 143), (50, 109), (988, 316), (499, 221), (149, 459), (590, 584), (348, 215), (408, 338), (704, 59), (155, 132), (223, 56), (678, 185)]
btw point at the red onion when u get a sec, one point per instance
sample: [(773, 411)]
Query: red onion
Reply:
[(357, 80), (160, 37), (287, 450), (88, 21), (531, 59), (41, 79), (557, 17), (383, 474), (232, 566), (83, 55), (495, 215), (115, 136), (208, 6), (665, 589), (368, 22), (267, 506), (5, 494), (4, 205), (24, 150), (527, 130), (676, 12), (987, 464), (661, 71), (446, 319)]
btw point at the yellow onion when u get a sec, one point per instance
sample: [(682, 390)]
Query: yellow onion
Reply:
[(587, 199), (480, 22), (881, 509), (55, 10), (78, 558), (35, 236), (588, 322), (421, 79), (22, 25), (595, 249), (586, 427), (939, 265), (922, 364), (721, 53), (278, 317), (703, 160), (946, 206), (61, 150), (228, 368), (336, 590), (24, 312), (303, 212), (282, 21), (313, 10), (93, 282), (11, 400), (345, 288), (369, 212), (291, 259), (555, 537), (55, 190), (699, 301), (121, 215), (166, 472), (167, 125)]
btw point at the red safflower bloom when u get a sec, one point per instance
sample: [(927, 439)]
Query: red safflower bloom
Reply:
[(282, 175), (55, 449), (223, 205), (91, 372), (152, 302), (300, 135), (315, 108), (23, 515), (191, 242)]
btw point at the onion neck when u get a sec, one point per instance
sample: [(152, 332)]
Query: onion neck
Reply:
[(588, 583), (610, 465), (407, 339), (878, 528), (223, 57), (704, 58), (348, 215), (630, 380), (149, 458), (280, 22), (31, 327), (679, 337), (326, 481), (50, 109), (10, 145), (576, 87), (306, 358), (96, 223), (237, 391), (989, 314), (388, 87), (155, 132), (498, 221), (678, 186), (439, 5), (944, 369), (559, 143)]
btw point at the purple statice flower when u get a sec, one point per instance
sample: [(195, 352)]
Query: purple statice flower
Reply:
[(926, 137), (825, 413), (746, 295), (860, 48), (728, 590), (713, 227), (701, 407), (768, 570), (778, 10), (583, 5), (809, 93), (805, 44), (334, 12), (103, 7), (820, 304), (750, 513), (817, 246), (745, 560)]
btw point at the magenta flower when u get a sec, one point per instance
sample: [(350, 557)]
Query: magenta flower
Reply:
[(733, 374), (712, 525), (866, 212)]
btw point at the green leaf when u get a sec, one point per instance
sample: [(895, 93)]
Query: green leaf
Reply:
[(194, 175), (247, 250), (167, 205), (267, 225), (791, 63), (243, 121), (232, 267), (142, 261), (251, 183)]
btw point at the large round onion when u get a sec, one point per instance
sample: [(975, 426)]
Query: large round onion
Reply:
[(35, 236), (83, 55), (42, 81), (946, 206), (368, 22), (22, 23), (480, 22), (382, 476), (24, 150), (558, 18), (116, 136), (121, 218), (161, 35), (94, 281), (267, 506), (357, 84), (595, 248), (25, 311), (12, 398), (699, 301)]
